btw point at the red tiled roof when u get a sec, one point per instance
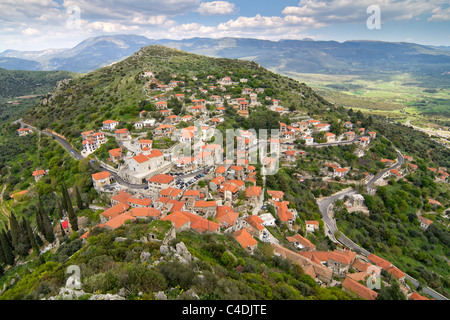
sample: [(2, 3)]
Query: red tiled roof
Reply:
[(303, 241), (178, 218), (201, 224), (220, 170), (141, 202), (123, 130), (253, 191), (122, 196), (145, 212), (225, 215), (380, 262), (282, 210), (119, 220), (202, 204), (191, 193), (161, 178), (101, 175), (276, 194), (109, 121), (359, 289), (170, 192), (140, 158), (244, 238), (399, 274), (255, 221), (115, 210), (39, 172), (416, 296), (115, 152)]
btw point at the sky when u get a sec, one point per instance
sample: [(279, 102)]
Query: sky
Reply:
[(45, 24)]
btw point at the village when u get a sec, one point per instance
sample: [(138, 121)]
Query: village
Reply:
[(204, 192)]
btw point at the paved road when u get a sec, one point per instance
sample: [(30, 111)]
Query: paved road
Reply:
[(330, 222), (63, 142), (398, 164)]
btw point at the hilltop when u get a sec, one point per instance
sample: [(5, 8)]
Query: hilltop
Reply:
[(117, 91)]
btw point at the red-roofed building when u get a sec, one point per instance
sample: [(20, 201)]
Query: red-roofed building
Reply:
[(38, 174), (301, 243), (285, 215), (312, 225), (122, 134), (160, 182), (172, 193), (139, 203), (118, 221), (110, 124), (396, 273), (255, 225), (24, 131), (179, 220), (101, 179), (201, 224), (145, 213), (424, 222), (245, 240), (340, 261), (113, 212), (380, 262), (115, 155), (226, 216), (253, 194), (359, 289), (416, 296), (276, 195), (122, 196), (205, 208)]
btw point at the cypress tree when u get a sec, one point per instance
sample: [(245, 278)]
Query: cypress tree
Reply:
[(15, 230), (48, 228), (2, 256), (79, 200), (71, 214), (7, 249), (86, 205), (31, 236), (39, 223), (64, 195), (59, 207), (24, 244), (40, 205), (69, 208)]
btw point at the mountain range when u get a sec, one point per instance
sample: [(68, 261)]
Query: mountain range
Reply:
[(283, 56)]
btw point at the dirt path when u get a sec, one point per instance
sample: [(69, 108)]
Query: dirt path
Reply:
[(5, 212)]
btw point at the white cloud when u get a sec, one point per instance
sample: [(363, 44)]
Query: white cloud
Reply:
[(348, 11), (440, 14), (30, 31), (158, 20), (216, 8)]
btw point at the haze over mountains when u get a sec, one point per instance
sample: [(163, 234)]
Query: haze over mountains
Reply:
[(284, 56)]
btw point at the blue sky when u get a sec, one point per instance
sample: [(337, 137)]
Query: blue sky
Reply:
[(43, 24)]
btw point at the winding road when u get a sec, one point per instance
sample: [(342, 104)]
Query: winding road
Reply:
[(331, 228)]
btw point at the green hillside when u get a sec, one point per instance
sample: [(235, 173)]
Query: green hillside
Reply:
[(16, 83), (116, 92)]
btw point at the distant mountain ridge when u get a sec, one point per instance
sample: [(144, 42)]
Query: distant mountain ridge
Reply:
[(283, 56)]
